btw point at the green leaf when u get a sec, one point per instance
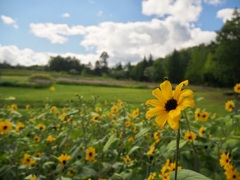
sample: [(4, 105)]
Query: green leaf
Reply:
[(185, 174), (142, 132), (172, 145), (110, 141), (134, 148)]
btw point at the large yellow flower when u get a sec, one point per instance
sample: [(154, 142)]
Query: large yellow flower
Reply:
[(169, 104), (237, 88)]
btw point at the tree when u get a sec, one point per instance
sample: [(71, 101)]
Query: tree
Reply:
[(227, 52), (103, 62)]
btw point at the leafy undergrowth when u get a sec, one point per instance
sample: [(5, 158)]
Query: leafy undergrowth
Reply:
[(114, 140)]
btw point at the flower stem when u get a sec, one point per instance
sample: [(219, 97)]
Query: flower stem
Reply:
[(193, 146), (177, 153)]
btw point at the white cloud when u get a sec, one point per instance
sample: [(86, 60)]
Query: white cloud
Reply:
[(131, 41), (56, 33), (213, 2), (66, 15), (13, 55), (225, 14), (9, 20), (181, 10)]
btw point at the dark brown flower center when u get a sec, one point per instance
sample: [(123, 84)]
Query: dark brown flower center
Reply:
[(170, 105), (90, 154), (5, 127), (64, 161)]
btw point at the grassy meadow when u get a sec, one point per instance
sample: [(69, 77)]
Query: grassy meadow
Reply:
[(96, 128)]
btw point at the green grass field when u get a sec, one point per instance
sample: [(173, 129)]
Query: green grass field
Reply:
[(213, 101)]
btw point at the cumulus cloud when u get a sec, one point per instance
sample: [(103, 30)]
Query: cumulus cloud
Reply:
[(129, 42), (65, 15), (225, 14), (13, 55), (9, 20), (181, 10), (213, 2), (56, 33)]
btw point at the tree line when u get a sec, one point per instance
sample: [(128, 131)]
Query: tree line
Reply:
[(216, 64)]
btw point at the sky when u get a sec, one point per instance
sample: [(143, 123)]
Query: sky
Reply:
[(32, 31)]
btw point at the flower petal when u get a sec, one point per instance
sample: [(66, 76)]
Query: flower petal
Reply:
[(185, 93), (158, 94), (152, 112), (179, 88), (166, 89), (186, 102), (174, 122), (161, 119), (153, 102)]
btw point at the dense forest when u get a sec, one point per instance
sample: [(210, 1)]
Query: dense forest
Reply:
[(215, 64)]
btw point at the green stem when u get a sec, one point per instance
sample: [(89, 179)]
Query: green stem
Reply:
[(193, 146), (177, 153)]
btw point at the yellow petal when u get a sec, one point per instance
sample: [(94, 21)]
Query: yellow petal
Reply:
[(166, 89), (158, 94), (174, 122), (179, 88), (186, 102), (185, 93), (161, 119), (155, 103), (152, 112)]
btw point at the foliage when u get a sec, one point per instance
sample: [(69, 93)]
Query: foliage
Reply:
[(111, 140)]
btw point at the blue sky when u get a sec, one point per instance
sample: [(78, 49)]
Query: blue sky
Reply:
[(33, 30)]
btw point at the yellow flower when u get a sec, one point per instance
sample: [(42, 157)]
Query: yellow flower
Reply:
[(95, 116), (36, 138), (224, 159), (156, 135), (190, 136), (151, 150), (131, 139), (50, 138), (237, 88), (52, 88), (127, 159), (204, 116), (197, 114), (71, 172), (63, 159), (127, 123), (114, 109), (135, 113), (169, 104), (151, 176), (229, 106), (5, 127), (41, 127), (27, 160), (19, 126), (27, 106), (63, 116), (33, 177), (37, 154), (232, 174), (201, 131), (90, 153)]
